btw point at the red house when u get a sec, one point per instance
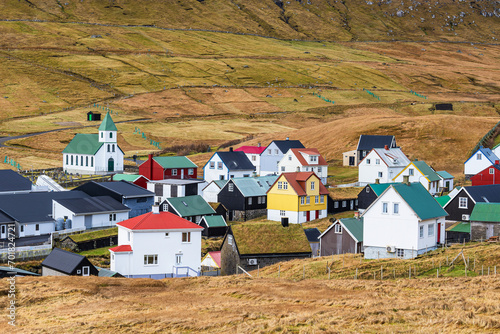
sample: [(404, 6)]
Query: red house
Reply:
[(139, 180), (161, 168), (489, 175)]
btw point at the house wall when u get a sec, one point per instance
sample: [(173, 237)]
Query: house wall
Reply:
[(315, 249), (341, 205), (138, 205), (484, 177), (210, 193), (121, 262), (476, 163), (232, 200), (417, 176), (442, 184), (229, 257), (51, 272), (369, 172), (454, 212), (30, 229), (365, 198), (154, 173), (102, 156), (484, 230), (269, 159), (211, 174), (295, 217), (290, 163), (346, 158), (78, 221), (337, 243), (255, 160), (181, 173), (141, 182)]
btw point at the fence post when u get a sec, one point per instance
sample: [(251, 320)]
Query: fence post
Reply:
[(258, 271), (381, 272), (356, 277), (437, 274)]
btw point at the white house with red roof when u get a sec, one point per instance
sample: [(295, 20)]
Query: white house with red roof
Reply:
[(382, 164), (211, 260), (157, 245), (253, 154), (304, 160)]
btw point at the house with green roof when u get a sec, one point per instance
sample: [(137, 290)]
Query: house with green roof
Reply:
[(485, 221), (458, 232), (419, 171), (168, 167), (251, 246), (192, 208), (343, 236), (214, 226), (369, 194), (403, 222), (136, 179), (94, 153)]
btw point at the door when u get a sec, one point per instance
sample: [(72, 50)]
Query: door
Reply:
[(308, 216), (111, 165), (316, 214), (351, 161), (88, 222), (489, 231), (284, 221), (3, 233), (86, 271), (439, 233), (352, 205)]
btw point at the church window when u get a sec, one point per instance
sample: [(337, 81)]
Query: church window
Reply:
[(113, 148), (76, 160), (109, 147), (71, 160), (67, 159), (86, 161), (91, 161), (81, 161), (102, 134), (111, 135)]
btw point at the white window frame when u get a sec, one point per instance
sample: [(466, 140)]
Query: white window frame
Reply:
[(152, 257), (338, 228), (230, 187), (86, 271), (186, 237), (282, 213), (249, 200), (165, 207), (395, 208), (421, 231), (430, 230), (308, 200), (322, 198), (411, 172), (492, 170), (380, 174), (479, 156), (280, 185), (316, 199), (367, 161), (212, 164), (377, 161), (385, 207), (312, 185), (174, 171), (178, 258), (285, 185), (230, 239), (302, 200), (464, 204)]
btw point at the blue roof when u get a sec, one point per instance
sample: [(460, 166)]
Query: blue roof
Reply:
[(445, 175), (487, 153)]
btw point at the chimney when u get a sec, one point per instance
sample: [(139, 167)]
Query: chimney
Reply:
[(377, 181), (497, 162), (287, 138), (386, 147), (150, 158), (231, 149), (258, 144), (155, 209), (406, 179)]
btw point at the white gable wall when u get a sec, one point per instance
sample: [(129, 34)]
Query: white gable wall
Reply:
[(211, 174), (369, 170), (290, 163), (269, 159), (211, 193), (476, 164)]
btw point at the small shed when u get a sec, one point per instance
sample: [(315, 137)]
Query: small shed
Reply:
[(443, 106), (343, 236), (93, 116), (458, 232), (63, 263), (312, 235), (485, 221), (214, 226)]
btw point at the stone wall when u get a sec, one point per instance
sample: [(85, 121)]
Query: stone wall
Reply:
[(482, 231)]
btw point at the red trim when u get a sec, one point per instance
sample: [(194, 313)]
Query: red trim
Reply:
[(121, 248)]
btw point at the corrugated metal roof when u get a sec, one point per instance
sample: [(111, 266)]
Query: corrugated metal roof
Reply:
[(84, 143), (312, 234), (215, 221), (254, 186), (125, 189), (379, 188), (442, 200), (419, 199), (98, 204), (188, 206), (445, 175), (126, 177), (486, 194), (355, 227), (175, 162), (486, 212), (393, 157), (12, 181)]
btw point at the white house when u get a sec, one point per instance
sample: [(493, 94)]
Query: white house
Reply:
[(419, 171), (479, 161), (211, 191), (157, 245), (253, 154), (164, 189), (87, 213), (274, 152), (403, 222), (446, 180), (382, 164), (304, 160), (226, 165), (94, 153)]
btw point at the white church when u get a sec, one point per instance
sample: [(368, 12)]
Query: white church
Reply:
[(94, 153)]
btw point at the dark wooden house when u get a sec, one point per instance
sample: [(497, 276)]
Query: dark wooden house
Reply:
[(341, 205), (369, 194), (460, 207), (343, 236), (245, 197), (214, 226), (63, 263), (251, 246)]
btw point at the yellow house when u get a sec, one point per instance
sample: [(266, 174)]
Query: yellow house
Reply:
[(296, 198)]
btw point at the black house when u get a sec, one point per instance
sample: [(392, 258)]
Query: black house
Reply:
[(368, 142), (245, 197), (370, 193), (341, 205), (63, 263), (460, 207), (93, 116)]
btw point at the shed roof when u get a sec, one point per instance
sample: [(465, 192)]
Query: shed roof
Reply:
[(175, 162), (254, 186), (354, 226), (12, 181), (312, 234), (84, 143), (107, 124), (442, 200), (486, 212), (188, 206), (98, 204), (270, 239), (215, 221), (18, 271), (419, 199), (236, 160), (459, 227), (158, 221), (368, 142), (62, 260)]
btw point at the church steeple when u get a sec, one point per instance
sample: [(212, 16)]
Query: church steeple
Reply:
[(107, 130)]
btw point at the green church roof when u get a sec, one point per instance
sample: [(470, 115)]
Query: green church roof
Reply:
[(84, 143), (108, 124)]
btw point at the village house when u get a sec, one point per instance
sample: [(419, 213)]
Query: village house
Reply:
[(172, 167), (296, 198), (419, 171), (252, 246), (211, 261), (167, 188), (343, 236), (489, 175), (253, 154), (63, 263), (227, 165), (211, 191), (479, 161), (246, 197), (342, 204), (370, 193), (94, 153), (485, 221), (304, 160), (214, 226), (381, 164), (460, 207), (403, 222), (365, 144), (274, 152), (138, 180), (14, 183), (191, 208), (157, 245), (446, 183)]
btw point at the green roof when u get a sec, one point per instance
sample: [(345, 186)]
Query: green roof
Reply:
[(215, 221), (355, 227), (486, 212), (191, 206), (442, 200), (379, 188), (419, 199), (270, 239), (459, 227), (175, 162), (126, 177), (445, 175), (220, 183), (84, 143), (108, 124), (254, 186), (426, 170)]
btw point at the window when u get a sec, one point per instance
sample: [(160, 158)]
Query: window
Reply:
[(67, 159), (81, 160), (249, 200), (229, 239), (86, 161), (290, 157), (396, 208), (212, 164), (186, 236), (314, 158), (400, 253), (86, 271), (316, 199), (230, 187), (128, 236), (111, 217), (37, 227), (344, 204), (338, 228), (322, 199), (367, 161), (113, 147), (462, 202), (221, 177), (178, 258), (285, 185), (377, 161), (305, 213), (219, 165), (263, 199), (102, 134), (91, 161), (336, 204), (174, 171), (479, 156), (367, 189), (421, 231), (109, 148), (385, 207), (76, 160), (22, 228), (282, 212), (312, 185), (308, 199), (259, 200), (167, 234), (269, 152), (280, 185), (165, 207), (276, 151), (71, 160), (151, 260), (411, 171), (111, 135), (492, 171), (190, 171), (380, 174), (282, 168), (302, 200), (430, 230), (114, 216)]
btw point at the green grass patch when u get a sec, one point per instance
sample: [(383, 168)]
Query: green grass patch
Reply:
[(98, 252), (95, 234)]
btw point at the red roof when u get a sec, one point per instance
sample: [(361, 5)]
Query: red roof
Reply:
[(122, 248), (251, 149), (216, 257), (310, 151), (158, 221), (298, 180)]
